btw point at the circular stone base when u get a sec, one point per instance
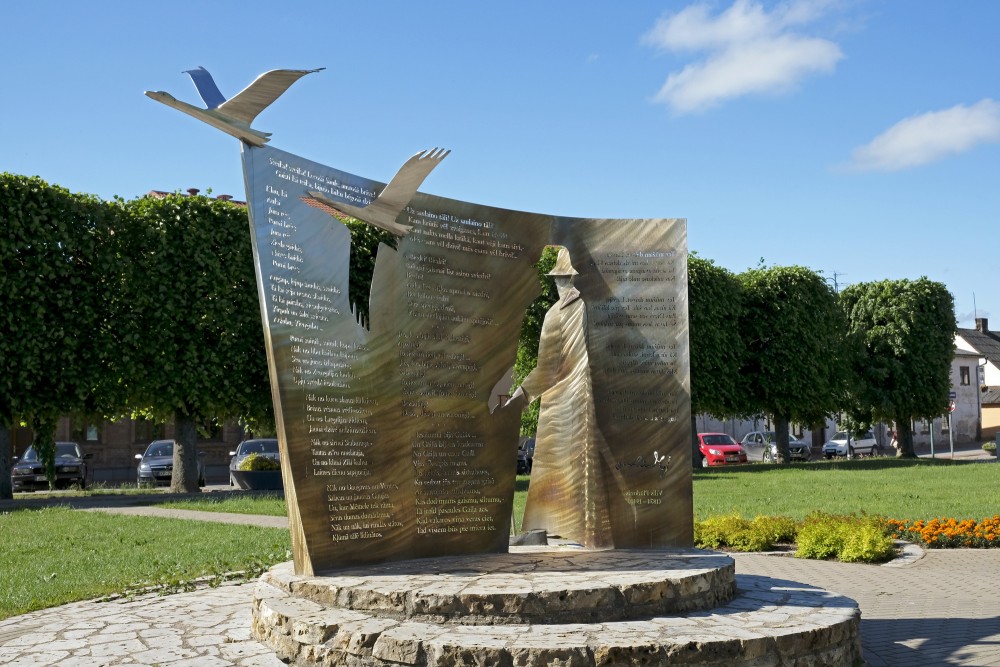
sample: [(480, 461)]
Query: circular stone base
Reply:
[(529, 585), (544, 606)]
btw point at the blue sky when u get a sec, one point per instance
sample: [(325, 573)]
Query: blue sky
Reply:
[(860, 138)]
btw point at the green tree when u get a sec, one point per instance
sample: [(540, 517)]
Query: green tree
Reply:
[(793, 329), (57, 255), (365, 240), (715, 306), (531, 331), (193, 342), (903, 334)]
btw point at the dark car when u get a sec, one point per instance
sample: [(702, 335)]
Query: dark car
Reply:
[(266, 447), (718, 449), (28, 472), (525, 456), (156, 465)]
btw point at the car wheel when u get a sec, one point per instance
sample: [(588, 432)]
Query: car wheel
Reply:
[(828, 456)]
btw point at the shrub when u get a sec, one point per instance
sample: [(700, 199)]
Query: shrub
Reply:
[(255, 462), (778, 529), (989, 446), (852, 539), (734, 532)]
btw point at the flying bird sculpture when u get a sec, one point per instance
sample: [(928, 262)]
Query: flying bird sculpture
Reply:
[(383, 211), (234, 116)]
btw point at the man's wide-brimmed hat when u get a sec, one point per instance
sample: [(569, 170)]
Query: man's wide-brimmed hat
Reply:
[(563, 265)]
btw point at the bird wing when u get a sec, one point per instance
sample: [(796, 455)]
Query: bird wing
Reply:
[(205, 84), (364, 214), (404, 184), (264, 90)]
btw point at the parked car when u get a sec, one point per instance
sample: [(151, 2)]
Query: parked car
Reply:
[(763, 445), (156, 465), (525, 455), (266, 447), (718, 449), (28, 472), (838, 445)]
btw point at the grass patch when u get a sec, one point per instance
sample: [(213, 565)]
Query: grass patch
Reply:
[(268, 504), (57, 555), (899, 489)]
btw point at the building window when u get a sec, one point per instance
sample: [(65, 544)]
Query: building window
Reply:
[(964, 376), (92, 435), (945, 423)]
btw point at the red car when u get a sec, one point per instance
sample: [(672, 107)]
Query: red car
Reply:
[(718, 449)]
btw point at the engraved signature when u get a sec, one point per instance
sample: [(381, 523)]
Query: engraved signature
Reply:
[(659, 461)]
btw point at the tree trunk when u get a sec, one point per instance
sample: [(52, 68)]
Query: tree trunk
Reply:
[(904, 438), (184, 478), (818, 436), (6, 489), (781, 438), (44, 432), (695, 450)]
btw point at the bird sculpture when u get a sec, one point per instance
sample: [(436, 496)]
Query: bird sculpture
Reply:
[(383, 211), (234, 116)]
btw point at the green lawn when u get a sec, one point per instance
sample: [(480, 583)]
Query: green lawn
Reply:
[(270, 504), (897, 489), (57, 555)]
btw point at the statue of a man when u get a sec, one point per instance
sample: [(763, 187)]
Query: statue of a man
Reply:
[(567, 494)]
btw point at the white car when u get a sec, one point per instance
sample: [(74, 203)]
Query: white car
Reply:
[(838, 445)]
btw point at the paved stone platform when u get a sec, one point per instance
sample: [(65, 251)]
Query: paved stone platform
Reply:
[(360, 621), (528, 585)]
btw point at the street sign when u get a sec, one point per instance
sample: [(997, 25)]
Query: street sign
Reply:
[(953, 395), (951, 408)]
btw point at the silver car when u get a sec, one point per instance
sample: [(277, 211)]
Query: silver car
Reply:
[(763, 444), (156, 465)]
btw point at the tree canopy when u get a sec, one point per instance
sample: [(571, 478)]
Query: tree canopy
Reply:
[(903, 334), (793, 330), (57, 258), (715, 307), (194, 340)]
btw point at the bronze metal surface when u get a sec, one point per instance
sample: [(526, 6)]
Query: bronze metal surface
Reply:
[(389, 449)]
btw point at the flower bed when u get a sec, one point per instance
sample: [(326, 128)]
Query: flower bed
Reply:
[(950, 533), (849, 538)]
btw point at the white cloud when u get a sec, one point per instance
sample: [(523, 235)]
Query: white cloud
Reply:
[(748, 51), (929, 137)]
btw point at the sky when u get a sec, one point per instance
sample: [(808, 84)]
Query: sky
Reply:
[(858, 138)]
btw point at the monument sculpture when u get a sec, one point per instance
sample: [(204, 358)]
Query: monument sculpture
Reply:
[(568, 496), (389, 449), (399, 479)]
